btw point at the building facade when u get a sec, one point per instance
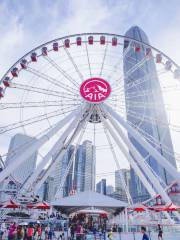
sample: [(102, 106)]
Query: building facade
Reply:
[(12, 184), (119, 188), (101, 187), (85, 167), (142, 87), (81, 176), (109, 189), (59, 170), (17, 145)]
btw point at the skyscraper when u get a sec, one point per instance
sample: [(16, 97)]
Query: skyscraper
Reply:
[(48, 193), (109, 189), (17, 145), (11, 186), (118, 182), (119, 188), (101, 186), (84, 170), (142, 90), (81, 176), (59, 171)]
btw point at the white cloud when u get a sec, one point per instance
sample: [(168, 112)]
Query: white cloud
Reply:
[(34, 22)]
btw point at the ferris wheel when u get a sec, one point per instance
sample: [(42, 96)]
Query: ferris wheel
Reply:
[(119, 92)]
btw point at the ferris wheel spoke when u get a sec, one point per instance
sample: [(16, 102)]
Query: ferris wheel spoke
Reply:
[(51, 80), (142, 105), (87, 54), (119, 62), (36, 119), (140, 117), (44, 91), (136, 67), (136, 82), (37, 104), (103, 60), (62, 71), (73, 63), (152, 120), (155, 142)]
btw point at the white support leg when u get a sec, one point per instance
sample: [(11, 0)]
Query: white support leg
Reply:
[(117, 163), (60, 156), (58, 194), (63, 149), (139, 138), (126, 220), (58, 145), (141, 162), (18, 160), (131, 160)]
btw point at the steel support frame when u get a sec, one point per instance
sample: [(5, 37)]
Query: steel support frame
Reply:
[(64, 147), (32, 148), (130, 159), (116, 160), (58, 145), (141, 140), (140, 161), (58, 193)]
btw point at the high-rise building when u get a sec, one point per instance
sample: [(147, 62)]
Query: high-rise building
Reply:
[(119, 186), (48, 193), (11, 186), (109, 189), (84, 170), (1, 164), (101, 187), (17, 145), (142, 87), (81, 176), (59, 171), (118, 181)]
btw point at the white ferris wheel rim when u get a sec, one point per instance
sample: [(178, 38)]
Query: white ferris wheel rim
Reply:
[(175, 66)]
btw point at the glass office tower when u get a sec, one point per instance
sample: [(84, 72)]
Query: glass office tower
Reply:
[(145, 109)]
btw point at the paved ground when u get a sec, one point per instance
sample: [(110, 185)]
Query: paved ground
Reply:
[(135, 236)]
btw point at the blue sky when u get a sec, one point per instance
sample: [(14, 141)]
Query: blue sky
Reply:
[(26, 24)]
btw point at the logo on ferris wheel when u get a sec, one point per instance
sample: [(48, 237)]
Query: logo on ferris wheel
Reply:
[(95, 90)]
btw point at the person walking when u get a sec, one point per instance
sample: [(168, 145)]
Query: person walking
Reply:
[(20, 233), (145, 236), (39, 230), (30, 232), (50, 233), (160, 232), (46, 232), (3, 229), (72, 231), (110, 235), (12, 232)]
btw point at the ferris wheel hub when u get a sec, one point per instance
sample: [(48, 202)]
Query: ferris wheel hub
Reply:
[(95, 90)]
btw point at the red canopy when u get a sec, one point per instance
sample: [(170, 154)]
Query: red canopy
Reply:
[(30, 205), (160, 208), (139, 208), (10, 204), (172, 207), (41, 205)]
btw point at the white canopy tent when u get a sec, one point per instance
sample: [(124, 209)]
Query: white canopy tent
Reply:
[(87, 199)]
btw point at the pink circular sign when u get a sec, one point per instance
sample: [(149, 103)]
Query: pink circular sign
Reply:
[(95, 90)]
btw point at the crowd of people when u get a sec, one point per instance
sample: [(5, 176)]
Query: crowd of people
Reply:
[(26, 232), (79, 228)]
